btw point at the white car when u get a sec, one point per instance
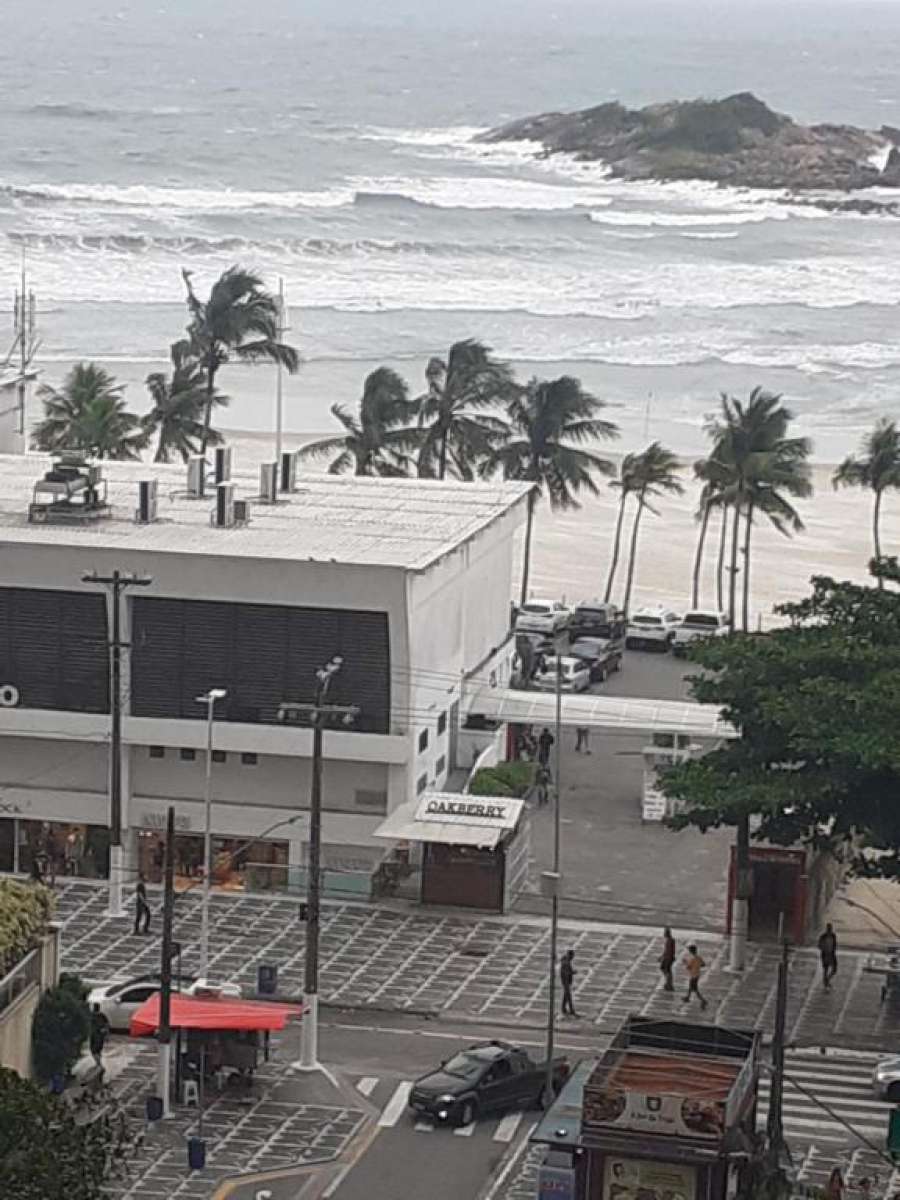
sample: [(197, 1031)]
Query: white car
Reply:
[(652, 627), (576, 675), (121, 999), (546, 617), (886, 1079), (699, 624)]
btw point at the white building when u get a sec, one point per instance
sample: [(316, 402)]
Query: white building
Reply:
[(408, 580)]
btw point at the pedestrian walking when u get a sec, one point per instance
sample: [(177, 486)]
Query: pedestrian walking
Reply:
[(542, 780), (99, 1034), (141, 907), (667, 960), (545, 741), (693, 965), (582, 734), (834, 1188), (567, 978), (828, 955)]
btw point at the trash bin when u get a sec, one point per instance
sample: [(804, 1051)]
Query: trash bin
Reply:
[(196, 1153), (266, 979), (153, 1106)]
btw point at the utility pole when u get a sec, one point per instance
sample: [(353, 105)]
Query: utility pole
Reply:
[(209, 699), (775, 1122), (555, 878), (279, 378), (164, 1034), (116, 584), (318, 714), (743, 888)]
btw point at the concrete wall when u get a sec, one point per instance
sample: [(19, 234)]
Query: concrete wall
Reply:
[(15, 1021)]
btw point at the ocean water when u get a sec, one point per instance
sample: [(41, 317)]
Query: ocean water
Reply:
[(331, 145)]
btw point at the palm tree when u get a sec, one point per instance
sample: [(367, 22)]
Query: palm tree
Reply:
[(87, 415), (240, 319), (625, 485), (877, 467), (656, 471), (179, 405), (379, 441), (550, 421), (458, 433), (710, 475)]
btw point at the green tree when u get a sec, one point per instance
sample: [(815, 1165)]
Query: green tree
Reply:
[(179, 406), (625, 485), (459, 434), (60, 1028), (380, 440), (47, 1154), (87, 416), (876, 468), (656, 473), (241, 320), (25, 909), (551, 421)]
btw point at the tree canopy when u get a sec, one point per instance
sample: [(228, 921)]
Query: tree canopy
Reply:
[(817, 703)]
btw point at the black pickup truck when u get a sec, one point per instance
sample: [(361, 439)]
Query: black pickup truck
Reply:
[(487, 1077)]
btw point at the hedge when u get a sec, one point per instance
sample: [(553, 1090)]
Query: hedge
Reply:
[(506, 779), (25, 910)]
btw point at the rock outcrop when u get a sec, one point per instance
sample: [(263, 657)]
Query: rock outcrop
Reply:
[(738, 141)]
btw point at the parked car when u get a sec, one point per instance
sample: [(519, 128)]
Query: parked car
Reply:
[(576, 675), (487, 1077), (542, 616), (652, 627), (121, 999), (595, 618), (699, 624), (601, 656)]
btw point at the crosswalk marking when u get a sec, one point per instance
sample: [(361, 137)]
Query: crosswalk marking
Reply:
[(367, 1085), (423, 1127), (465, 1130), (506, 1130), (390, 1114)]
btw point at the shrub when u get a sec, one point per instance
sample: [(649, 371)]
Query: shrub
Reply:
[(61, 1025), (25, 909), (506, 779)]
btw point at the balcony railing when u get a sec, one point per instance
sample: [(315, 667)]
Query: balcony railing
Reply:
[(20, 978)]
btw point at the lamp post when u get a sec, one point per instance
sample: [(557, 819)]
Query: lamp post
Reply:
[(553, 878), (209, 699)]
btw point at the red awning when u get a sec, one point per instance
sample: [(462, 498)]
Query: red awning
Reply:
[(213, 1012)]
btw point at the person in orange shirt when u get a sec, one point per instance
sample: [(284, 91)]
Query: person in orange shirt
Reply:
[(693, 965)]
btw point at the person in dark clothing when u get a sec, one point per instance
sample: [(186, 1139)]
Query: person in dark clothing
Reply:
[(542, 781), (99, 1034), (582, 734), (141, 907), (828, 955), (667, 960), (545, 741), (567, 978)]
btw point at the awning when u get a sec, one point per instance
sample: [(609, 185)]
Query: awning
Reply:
[(600, 712), (213, 1012), (452, 819)]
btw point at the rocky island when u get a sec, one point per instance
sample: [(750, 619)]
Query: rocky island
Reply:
[(738, 141)]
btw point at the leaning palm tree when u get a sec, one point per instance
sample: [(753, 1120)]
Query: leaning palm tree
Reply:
[(179, 406), (877, 468), (551, 420), (625, 485), (656, 472), (458, 431), (379, 441), (711, 475), (241, 320), (87, 416)]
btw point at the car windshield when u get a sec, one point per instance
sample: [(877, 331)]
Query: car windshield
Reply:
[(463, 1066), (705, 619), (646, 621), (540, 610)]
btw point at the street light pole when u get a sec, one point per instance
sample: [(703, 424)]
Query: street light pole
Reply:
[(317, 714), (116, 583), (554, 901), (209, 699)]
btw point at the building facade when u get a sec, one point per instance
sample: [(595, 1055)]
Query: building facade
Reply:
[(407, 581)]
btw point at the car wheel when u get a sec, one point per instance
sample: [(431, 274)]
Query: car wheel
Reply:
[(467, 1113), (893, 1092)]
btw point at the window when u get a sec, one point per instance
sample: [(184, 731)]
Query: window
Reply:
[(137, 995), (500, 1070), (423, 740), (157, 752), (442, 723), (187, 754), (439, 766), (421, 784), (219, 756), (377, 801), (248, 759)]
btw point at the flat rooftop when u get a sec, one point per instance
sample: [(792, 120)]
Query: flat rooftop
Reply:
[(405, 523)]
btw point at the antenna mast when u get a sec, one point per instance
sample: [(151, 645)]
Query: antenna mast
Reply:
[(21, 356)]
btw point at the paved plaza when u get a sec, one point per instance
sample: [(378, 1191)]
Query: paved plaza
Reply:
[(495, 969)]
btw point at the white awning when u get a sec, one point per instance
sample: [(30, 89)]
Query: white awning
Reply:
[(464, 821), (600, 712)]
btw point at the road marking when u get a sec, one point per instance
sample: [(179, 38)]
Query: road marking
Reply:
[(510, 1161), (506, 1130), (423, 1127), (391, 1113), (465, 1130), (367, 1085), (338, 1180)]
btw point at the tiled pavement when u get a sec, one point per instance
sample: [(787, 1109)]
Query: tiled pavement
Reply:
[(463, 965)]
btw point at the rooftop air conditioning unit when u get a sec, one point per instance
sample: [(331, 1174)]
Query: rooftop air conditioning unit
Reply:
[(288, 472), (196, 475), (242, 512), (147, 505), (268, 482), (223, 464), (223, 516)]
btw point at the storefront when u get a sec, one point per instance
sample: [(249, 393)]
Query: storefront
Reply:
[(56, 848), (259, 867), (790, 890), (469, 851)]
